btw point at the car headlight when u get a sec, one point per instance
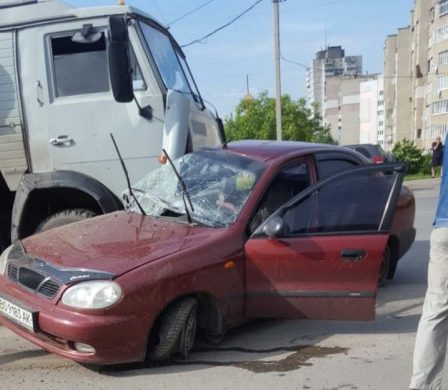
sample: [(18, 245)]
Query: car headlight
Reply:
[(4, 259), (95, 294)]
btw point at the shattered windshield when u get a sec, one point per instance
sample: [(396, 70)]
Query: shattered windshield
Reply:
[(218, 184)]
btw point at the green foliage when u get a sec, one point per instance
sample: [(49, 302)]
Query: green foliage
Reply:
[(408, 152), (255, 119), (425, 166)]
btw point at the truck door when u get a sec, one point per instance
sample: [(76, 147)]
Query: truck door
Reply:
[(323, 260), (70, 109)]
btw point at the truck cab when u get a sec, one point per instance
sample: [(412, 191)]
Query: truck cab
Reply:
[(58, 107)]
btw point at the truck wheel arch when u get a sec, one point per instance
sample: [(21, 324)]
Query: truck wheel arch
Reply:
[(35, 188)]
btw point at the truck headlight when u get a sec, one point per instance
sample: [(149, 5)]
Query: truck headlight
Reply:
[(95, 294), (4, 259)]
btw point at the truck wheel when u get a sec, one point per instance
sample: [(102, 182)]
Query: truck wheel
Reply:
[(385, 266), (176, 330), (64, 218)]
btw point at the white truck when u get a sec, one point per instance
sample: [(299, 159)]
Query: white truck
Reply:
[(68, 78)]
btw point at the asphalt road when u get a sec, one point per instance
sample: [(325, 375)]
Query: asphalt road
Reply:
[(268, 354)]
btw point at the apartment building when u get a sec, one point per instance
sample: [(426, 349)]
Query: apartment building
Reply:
[(420, 23), (330, 62), (371, 111), (342, 108), (397, 88), (416, 76), (437, 77)]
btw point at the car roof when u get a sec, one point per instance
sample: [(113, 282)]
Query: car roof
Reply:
[(269, 150)]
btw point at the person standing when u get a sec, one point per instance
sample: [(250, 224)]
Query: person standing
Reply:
[(432, 333), (437, 155)]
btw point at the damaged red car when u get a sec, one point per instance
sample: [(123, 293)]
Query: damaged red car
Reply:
[(255, 229)]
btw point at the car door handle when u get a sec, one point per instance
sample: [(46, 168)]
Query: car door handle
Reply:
[(353, 254), (62, 140)]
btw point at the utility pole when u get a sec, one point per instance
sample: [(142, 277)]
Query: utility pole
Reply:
[(278, 83)]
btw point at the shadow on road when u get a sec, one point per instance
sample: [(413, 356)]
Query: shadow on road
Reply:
[(12, 357), (296, 341), (413, 267)]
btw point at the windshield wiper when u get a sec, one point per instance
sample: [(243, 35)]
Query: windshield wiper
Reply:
[(127, 176), (185, 195)]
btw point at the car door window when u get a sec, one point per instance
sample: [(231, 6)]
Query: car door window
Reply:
[(352, 202), (328, 166), (289, 182)]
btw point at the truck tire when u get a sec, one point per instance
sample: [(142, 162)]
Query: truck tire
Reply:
[(176, 330), (64, 218)]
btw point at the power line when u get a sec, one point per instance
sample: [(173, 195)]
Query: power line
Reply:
[(190, 12), (295, 6), (159, 11), (295, 63), (382, 75), (199, 40)]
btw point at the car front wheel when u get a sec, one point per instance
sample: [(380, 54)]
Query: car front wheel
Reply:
[(175, 332)]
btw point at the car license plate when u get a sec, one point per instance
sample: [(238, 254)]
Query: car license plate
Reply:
[(19, 315)]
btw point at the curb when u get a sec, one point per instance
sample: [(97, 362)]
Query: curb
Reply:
[(423, 184)]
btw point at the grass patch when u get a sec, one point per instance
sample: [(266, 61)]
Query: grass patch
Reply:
[(418, 176)]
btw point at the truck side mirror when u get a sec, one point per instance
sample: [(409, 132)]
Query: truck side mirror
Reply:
[(120, 71)]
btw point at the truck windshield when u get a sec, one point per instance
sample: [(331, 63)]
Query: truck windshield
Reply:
[(167, 60), (218, 184)]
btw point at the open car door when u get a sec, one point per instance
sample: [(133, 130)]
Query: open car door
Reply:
[(319, 255)]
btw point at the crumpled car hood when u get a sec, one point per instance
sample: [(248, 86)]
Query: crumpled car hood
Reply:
[(116, 242)]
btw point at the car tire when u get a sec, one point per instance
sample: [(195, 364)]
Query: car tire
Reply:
[(385, 266), (64, 218), (176, 331)]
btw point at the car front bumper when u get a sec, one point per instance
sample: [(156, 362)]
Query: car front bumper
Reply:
[(115, 338)]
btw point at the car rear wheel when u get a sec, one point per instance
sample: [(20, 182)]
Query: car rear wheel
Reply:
[(385, 266), (64, 218), (175, 331)]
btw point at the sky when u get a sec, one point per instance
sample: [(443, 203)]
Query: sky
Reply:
[(220, 63)]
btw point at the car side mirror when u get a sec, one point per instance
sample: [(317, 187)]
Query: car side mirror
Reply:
[(120, 72), (275, 227)]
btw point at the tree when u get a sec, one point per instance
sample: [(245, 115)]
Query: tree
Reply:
[(255, 119)]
